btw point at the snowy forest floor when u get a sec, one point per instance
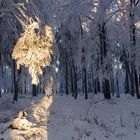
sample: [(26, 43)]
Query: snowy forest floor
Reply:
[(70, 119)]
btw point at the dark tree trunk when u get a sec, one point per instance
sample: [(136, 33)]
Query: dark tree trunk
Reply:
[(16, 82), (96, 85), (139, 80), (85, 83), (112, 86), (124, 59), (137, 85), (34, 90), (127, 89), (0, 90), (16, 92), (25, 88), (0, 73), (83, 86), (103, 54), (132, 82), (66, 74), (106, 89), (72, 86), (92, 81), (75, 82), (75, 88), (117, 88)]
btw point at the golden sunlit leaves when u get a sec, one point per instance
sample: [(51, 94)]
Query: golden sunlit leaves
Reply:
[(34, 49)]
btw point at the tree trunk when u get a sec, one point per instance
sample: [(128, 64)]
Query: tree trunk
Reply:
[(16, 92), (16, 82), (75, 92), (66, 75), (137, 85), (72, 86), (103, 54), (127, 89), (96, 85), (133, 47), (132, 82), (85, 83), (0, 90), (112, 84), (117, 87), (34, 90), (106, 89)]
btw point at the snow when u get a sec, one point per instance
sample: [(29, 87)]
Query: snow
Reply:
[(70, 119)]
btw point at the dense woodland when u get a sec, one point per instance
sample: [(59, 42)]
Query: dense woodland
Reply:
[(72, 47)]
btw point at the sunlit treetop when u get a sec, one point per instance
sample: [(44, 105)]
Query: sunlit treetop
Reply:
[(34, 49)]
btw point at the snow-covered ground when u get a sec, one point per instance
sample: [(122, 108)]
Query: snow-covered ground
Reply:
[(70, 119)]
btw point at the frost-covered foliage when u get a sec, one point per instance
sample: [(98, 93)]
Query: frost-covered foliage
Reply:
[(101, 37), (35, 43), (34, 49)]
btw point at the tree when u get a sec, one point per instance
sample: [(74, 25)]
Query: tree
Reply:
[(34, 49)]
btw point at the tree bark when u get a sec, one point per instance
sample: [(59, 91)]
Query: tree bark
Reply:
[(103, 54), (85, 83), (137, 85), (16, 82), (34, 90), (72, 85), (75, 83), (66, 74), (106, 89)]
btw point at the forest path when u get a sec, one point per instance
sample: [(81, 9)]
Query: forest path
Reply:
[(37, 116)]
